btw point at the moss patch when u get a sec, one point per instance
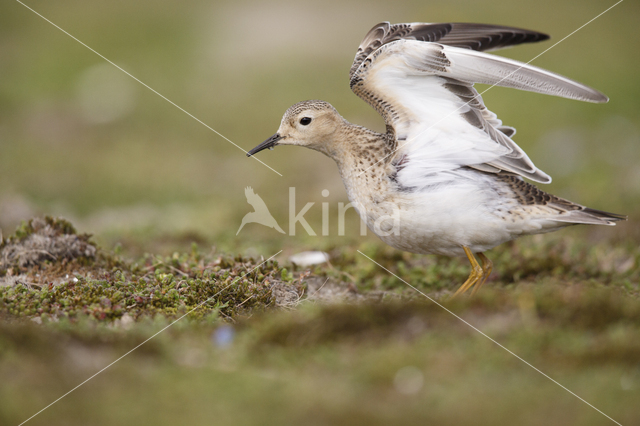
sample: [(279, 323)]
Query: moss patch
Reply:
[(63, 275)]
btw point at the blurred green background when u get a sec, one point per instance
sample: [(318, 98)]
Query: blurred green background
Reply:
[(81, 139)]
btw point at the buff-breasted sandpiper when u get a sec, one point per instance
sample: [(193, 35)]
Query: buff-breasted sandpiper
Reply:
[(446, 177)]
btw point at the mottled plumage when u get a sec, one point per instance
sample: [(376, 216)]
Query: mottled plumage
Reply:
[(446, 178)]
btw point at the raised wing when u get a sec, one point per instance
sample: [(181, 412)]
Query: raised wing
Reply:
[(425, 93), (479, 37)]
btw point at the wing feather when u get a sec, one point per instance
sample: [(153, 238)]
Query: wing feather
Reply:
[(420, 78), (479, 37), (477, 67), (425, 93)]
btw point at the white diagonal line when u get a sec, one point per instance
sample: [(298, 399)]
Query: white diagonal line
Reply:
[(163, 329), (491, 339), (567, 36), (414, 138), (150, 88)]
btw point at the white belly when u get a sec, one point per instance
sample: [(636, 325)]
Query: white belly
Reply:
[(441, 220)]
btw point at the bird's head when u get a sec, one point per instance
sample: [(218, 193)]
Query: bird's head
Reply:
[(309, 123)]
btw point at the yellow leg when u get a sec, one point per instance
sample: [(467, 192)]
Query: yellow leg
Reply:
[(477, 273), (487, 267)]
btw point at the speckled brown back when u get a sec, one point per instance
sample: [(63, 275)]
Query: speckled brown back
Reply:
[(530, 195)]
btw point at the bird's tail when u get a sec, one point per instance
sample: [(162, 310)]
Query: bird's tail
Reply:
[(589, 216)]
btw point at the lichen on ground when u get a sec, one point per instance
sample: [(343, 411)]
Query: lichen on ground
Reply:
[(43, 239)]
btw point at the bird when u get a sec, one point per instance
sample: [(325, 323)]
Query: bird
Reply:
[(445, 177), (260, 214)]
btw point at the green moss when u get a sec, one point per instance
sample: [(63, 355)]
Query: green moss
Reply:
[(149, 290), (105, 287)]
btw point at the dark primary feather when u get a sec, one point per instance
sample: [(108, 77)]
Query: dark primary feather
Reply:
[(472, 36)]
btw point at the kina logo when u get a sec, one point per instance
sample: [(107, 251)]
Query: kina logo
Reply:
[(260, 214)]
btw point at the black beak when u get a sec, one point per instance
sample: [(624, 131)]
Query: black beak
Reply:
[(269, 143)]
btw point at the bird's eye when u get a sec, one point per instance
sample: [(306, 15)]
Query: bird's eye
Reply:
[(305, 121)]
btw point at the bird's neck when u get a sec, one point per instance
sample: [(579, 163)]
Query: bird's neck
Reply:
[(363, 158), (355, 147)]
